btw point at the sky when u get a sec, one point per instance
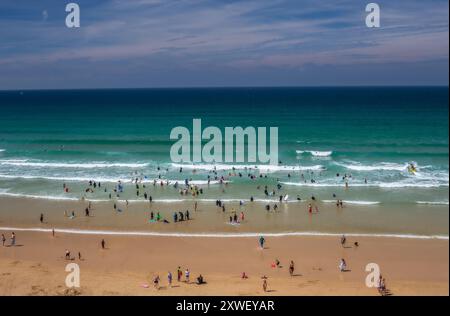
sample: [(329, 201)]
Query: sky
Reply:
[(210, 43)]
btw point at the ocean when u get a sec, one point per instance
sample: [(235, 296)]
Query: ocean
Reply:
[(369, 134)]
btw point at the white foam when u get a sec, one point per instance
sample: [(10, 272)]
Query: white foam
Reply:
[(180, 200), (110, 180), (2, 150), (315, 153), (393, 185), (67, 179), (433, 202), (354, 202), (92, 165), (381, 166), (219, 235), (263, 168), (193, 182), (42, 197)]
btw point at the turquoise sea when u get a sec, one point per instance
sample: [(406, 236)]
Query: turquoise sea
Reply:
[(371, 135)]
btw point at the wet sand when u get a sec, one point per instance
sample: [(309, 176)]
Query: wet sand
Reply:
[(290, 217)]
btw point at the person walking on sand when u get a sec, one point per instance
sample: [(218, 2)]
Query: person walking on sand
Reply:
[(343, 240), (195, 206), (187, 274), (103, 243), (291, 268), (53, 232), (169, 278), (67, 254), (261, 242), (3, 240), (41, 219)]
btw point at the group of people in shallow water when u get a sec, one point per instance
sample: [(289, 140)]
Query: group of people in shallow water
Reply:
[(180, 216), (235, 219)]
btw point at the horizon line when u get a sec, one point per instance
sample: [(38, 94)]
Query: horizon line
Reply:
[(230, 87)]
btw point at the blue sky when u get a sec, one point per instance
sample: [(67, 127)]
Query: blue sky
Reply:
[(188, 43)]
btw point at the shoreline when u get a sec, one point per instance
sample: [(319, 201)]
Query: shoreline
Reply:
[(217, 235), (203, 200)]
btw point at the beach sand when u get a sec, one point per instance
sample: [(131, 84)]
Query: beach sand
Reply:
[(36, 266)]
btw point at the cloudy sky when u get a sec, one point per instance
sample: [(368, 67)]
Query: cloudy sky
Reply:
[(187, 43)]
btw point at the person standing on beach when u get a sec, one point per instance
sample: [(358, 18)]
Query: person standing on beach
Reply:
[(195, 206), (13, 239), (103, 243), (169, 278), (156, 282), (264, 283), (41, 219), (342, 265), (291, 268), (3, 240), (53, 232), (187, 274), (179, 274), (261, 242)]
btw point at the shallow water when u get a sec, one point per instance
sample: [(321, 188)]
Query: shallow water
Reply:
[(48, 138)]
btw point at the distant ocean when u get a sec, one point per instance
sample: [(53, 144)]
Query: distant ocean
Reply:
[(48, 138)]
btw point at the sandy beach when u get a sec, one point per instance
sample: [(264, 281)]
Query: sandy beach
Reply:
[(417, 265), (36, 265)]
